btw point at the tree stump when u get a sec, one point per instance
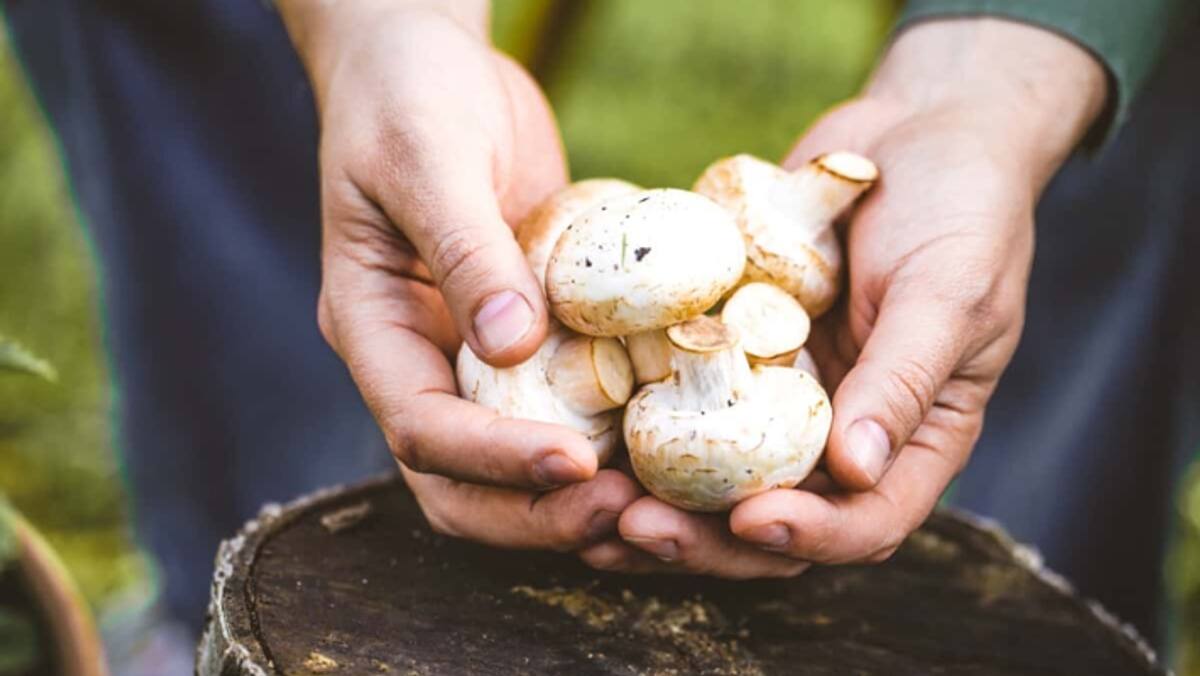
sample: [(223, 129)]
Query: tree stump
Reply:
[(352, 581)]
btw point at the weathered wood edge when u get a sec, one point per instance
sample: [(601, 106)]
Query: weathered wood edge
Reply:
[(1029, 558), (229, 645)]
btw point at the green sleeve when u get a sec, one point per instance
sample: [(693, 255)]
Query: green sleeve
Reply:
[(1127, 36)]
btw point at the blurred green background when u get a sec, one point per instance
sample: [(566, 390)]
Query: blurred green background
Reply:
[(648, 91)]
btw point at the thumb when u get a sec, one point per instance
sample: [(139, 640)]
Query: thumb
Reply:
[(454, 221), (909, 355)]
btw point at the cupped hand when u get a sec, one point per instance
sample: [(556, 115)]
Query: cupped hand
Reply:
[(432, 143), (939, 256)]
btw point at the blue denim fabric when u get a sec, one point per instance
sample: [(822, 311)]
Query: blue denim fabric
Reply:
[(1097, 414), (190, 139)]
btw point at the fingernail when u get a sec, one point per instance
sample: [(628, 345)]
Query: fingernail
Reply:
[(666, 550), (502, 320), (768, 535), (556, 469), (601, 524), (869, 448)]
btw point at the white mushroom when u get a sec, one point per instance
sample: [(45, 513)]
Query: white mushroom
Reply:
[(805, 362), (542, 228), (772, 325), (650, 354), (719, 431), (571, 380), (787, 218), (643, 261)]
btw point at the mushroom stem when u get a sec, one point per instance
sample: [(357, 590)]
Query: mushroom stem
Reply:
[(591, 375), (828, 184), (650, 354), (710, 367)]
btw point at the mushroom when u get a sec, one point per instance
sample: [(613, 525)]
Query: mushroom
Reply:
[(787, 218), (572, 380), (720, 431), (650, 354), (643, 261), (772, 325), (805, 362), (542, 228)]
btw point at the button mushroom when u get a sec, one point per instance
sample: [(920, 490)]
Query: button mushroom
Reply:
[(772, 325), (720, 431), (787, 218), (572, 380), (538, 233), (643, 261)]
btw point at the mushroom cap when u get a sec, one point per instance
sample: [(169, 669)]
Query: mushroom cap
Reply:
[(643, 261), (787, 218), (770, 322), (709, 461), (542, 228), (525, 392)]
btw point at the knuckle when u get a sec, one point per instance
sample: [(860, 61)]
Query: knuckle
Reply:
[(405, 449), (458, 258), (909, 392)]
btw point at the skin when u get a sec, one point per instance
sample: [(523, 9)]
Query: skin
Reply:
[(983, 112), (421, 173)]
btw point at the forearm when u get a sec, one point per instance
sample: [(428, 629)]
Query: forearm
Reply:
[(316, 27), (1031, 91)]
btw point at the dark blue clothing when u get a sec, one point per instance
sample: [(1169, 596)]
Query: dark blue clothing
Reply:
[(190, 138)]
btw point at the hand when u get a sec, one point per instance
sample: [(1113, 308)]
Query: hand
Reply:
[(967, 121), (431, 143)]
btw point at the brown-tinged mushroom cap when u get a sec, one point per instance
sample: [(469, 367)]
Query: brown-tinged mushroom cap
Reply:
[(643, 261), (542, 228), (577, 381), (719, 432), (773, 325), (787, 218)]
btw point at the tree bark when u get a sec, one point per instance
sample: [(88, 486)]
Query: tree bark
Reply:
[(352, 581)]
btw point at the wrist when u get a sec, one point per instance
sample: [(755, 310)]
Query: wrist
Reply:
[(321, 29), (1024, 89)]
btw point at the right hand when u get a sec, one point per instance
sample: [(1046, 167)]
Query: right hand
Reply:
[(431, 143)]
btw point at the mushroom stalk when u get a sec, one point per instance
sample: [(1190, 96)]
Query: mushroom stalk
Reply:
[(650, 353), (710, 369), (591, 375), (823, 188)]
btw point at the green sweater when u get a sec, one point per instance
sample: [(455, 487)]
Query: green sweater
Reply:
[(1127, 36)]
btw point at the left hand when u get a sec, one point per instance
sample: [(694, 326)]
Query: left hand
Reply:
[(939, 256)]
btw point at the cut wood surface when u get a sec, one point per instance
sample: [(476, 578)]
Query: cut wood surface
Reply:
[(352, 581)]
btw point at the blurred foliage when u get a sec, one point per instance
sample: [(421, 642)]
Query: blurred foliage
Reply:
[(16, 358), (56, 461), (1184, 573)]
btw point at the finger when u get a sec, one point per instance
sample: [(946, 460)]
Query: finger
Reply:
[(910, 353), (565, 519), (618, 557), (408, 385), (699, 543), (441, 196), (849, 527)]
